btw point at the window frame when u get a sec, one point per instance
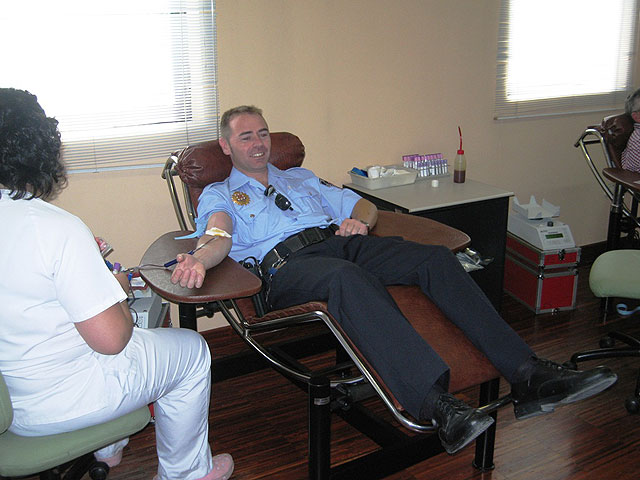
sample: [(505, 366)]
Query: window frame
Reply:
[(187, 108), (505, 109)]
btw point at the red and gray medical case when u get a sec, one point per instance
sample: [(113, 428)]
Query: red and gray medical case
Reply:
[(543, 280)]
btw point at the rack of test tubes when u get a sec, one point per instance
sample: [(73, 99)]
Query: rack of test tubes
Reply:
[(431, 165)]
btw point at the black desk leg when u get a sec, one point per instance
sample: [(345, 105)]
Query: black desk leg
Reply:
[(485, 443), (319, 428), (187, 316)]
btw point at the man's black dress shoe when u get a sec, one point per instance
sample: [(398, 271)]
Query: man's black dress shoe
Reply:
[(552, 384), (458, 423)]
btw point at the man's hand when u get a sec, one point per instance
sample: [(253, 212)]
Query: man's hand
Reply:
[(189, 272), (351, 226)]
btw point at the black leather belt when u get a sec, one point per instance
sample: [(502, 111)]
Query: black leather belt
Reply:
[(277, 255)]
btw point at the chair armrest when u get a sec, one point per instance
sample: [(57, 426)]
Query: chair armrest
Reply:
[(630, 180), (225, 281), (420, 230), (230, 280)]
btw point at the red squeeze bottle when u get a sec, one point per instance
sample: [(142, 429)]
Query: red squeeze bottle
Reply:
[(460, 163)]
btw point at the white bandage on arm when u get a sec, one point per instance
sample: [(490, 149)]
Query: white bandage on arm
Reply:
[(217, 232)]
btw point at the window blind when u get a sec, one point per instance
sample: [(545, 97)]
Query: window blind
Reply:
[(128, 81), (560, 57)]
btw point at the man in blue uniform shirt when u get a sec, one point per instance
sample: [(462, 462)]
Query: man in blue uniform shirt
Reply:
[(311, 239)]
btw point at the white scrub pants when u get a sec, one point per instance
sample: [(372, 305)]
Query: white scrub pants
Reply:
[(168, 366)]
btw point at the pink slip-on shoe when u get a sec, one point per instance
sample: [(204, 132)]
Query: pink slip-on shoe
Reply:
[(112, 461), (222, 468), (115, 459)]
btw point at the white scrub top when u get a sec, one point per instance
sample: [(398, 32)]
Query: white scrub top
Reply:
[(51, 275)]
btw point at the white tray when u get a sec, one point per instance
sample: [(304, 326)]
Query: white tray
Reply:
[(386, 182)]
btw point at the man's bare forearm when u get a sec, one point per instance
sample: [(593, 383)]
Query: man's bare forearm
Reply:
[(216, 242), (214, 252), (366, 212)]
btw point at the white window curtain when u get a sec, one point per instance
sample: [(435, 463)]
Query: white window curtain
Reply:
[(129, 81), (564, 56)]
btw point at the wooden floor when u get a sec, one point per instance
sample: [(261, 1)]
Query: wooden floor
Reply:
[(261, 419)]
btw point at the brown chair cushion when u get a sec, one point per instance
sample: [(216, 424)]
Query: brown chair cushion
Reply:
[(468, 365)]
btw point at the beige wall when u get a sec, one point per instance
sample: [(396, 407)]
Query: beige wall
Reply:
[(363, 82)]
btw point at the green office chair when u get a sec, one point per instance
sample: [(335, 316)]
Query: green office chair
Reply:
[(65, 456), (616, 274)]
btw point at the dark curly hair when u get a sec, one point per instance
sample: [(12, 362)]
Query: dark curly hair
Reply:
[(30, 165)]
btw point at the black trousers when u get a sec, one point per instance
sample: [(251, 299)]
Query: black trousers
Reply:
[(350, 274)]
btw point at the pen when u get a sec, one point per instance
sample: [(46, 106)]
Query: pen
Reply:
[(175, 260)]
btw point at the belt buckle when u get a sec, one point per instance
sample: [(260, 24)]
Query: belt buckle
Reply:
[(276, 266), (279, 261)]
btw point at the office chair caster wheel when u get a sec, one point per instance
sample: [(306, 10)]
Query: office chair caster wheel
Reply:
[(632, 405), (99, 471), (607, 342)]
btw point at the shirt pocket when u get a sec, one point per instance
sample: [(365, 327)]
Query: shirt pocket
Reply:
[(252, 221), (306, 200)]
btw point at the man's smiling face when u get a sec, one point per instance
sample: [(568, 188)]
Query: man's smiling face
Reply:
[(249, 143)]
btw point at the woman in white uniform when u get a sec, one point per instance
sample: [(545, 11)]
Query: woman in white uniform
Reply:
[(68, 350)]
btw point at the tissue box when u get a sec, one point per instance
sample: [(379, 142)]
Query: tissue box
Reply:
[(407, 177)]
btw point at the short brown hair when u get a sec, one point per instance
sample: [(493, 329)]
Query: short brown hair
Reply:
[(229, 114)]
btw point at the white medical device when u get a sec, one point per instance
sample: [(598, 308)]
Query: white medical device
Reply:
[(534, 224)]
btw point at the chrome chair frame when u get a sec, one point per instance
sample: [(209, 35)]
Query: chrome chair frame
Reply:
[(247, 330), (168, 172), (338, 394), (592, 136)]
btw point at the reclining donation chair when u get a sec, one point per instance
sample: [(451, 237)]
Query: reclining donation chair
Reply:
[(616, 273), (65, 456), (612, 136), (341, 388)]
